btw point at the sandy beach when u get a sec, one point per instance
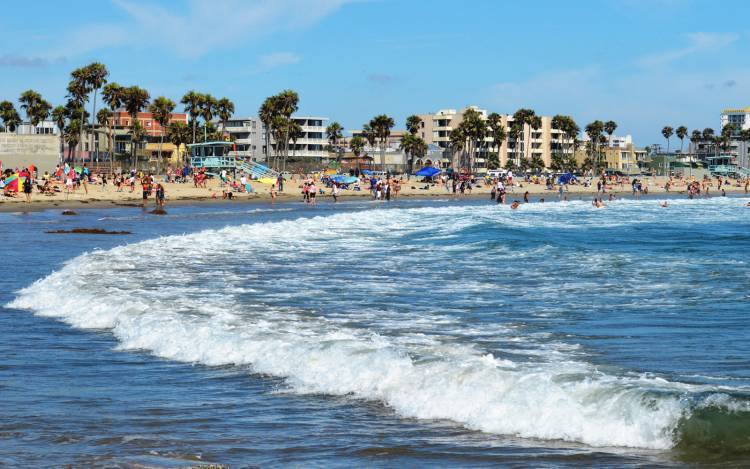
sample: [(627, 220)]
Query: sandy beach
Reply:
[(181, 193)]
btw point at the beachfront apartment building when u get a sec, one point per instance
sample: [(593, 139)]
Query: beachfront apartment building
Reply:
[(312, 143), (247, 135), (622, 157), (542, 142), (152, 145), (739, 117)]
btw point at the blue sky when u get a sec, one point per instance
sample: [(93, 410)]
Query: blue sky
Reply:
[(642, 63)]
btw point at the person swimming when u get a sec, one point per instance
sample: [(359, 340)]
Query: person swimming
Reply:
[(664, 204), (515, 204)]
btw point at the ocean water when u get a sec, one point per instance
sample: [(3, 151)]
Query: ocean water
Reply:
[(421, 333)]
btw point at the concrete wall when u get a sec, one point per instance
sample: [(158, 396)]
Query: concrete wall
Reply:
[(43, 151)]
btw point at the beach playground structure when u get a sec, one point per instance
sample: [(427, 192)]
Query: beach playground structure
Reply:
[(217, 156)]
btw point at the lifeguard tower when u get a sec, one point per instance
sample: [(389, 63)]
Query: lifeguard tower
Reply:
[(216, 156)]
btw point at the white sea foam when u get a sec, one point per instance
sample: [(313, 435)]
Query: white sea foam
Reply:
[(160, 296)]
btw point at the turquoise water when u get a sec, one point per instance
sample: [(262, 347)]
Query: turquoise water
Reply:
[(419, 333)]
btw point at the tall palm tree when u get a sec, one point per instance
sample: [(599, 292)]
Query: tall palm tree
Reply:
[(287, 103), (521, 118), (295, 133), (412, 124), (179, 134), (609, 128), (381, 125), (95, 76), (266, 114), (59, 116), (594, 131), (667, 132), (29, 101), (334, 132), (161, 109), (457, 144), (192, 101), (535, 123), (225, 110), (72, 134), (357, 144), (496, 132), (113, 95), (681, 133), (135, 99), (104, 119), (207, 110), (78, 95)]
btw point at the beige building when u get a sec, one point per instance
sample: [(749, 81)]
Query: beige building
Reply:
[(543, 142), (623, 158)]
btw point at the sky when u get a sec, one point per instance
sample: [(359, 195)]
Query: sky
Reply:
[(642, 63)]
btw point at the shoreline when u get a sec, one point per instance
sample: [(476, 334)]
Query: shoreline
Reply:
[(186, 194), (40, 205)]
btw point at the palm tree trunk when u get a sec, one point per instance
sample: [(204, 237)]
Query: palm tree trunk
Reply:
[(93, 116)]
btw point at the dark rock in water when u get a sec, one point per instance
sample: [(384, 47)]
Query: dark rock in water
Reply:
[(69, 212), (158, 211), (88, 231)]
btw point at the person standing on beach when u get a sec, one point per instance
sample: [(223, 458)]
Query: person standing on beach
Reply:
[(27, 186), (160, 195), (335, 192), (280, 182), (312, 189), (146, 185)]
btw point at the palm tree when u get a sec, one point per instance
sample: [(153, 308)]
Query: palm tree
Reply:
[(286, 104), (95, 76), (78, 94), (357, 144), (60, 115), (334, 132), (381, 125), (667, 132), (135, 99), (295, 133), (594, 131), (72, 134), (535, 123), (113, 95), (192, 102), (266, 113), (29, 101), (179, 134), (161, 108), (224, 109), (515, 132), (207, 110), (681, 133), (412, 124), (496, 132), (610, 127), (104, 119), (522, 117), (457, 144)]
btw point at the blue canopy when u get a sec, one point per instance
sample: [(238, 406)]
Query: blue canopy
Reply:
[(427, 171), (566, 178), (366, 172), (341, 179)]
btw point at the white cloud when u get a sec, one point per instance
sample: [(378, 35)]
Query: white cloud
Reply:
[(193, 28), (697, 42), (277, 59)]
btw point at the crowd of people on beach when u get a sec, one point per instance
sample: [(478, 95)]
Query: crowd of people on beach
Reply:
[(69, 180)]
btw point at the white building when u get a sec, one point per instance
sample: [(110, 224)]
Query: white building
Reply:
[(47, 127), (615, 141), (313, 142), (740, 118)]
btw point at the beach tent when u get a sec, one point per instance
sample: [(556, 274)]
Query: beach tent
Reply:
[(340, 179), (428, 171), (13, 183), (566, 178)]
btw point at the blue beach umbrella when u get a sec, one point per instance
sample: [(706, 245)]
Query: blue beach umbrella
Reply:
[(428, 171)]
